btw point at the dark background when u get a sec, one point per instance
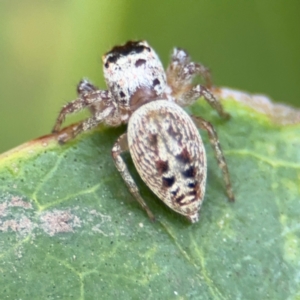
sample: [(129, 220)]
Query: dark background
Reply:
[(46, 47)]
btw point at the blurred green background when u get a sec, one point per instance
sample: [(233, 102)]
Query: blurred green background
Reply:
[(46, 47)]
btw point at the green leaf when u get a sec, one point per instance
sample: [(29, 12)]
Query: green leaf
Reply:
[(70, 229)]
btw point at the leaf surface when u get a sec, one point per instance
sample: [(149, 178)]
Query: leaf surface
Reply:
[(70, 229)]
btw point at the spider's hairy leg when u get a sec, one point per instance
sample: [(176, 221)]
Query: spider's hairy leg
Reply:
[(180, 75), (214, 140), (120, 146), (85, 86), (76, 105), (198, 91), (97, 118), (182, 71)]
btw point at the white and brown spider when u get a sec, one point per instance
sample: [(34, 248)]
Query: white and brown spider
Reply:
[(162, 138)]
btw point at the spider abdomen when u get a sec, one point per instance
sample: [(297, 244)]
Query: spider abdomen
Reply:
[(169, 155)]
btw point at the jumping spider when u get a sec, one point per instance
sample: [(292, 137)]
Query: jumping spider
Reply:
[(163, 141)]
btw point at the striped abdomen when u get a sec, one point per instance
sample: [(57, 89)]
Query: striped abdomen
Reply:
[(169, 155)]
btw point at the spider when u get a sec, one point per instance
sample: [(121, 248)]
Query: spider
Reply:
[(162, 138)]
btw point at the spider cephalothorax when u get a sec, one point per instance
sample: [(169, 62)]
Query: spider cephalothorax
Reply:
[(162, 138), (134, 74)]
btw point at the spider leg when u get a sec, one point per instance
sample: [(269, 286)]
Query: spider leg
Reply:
[(86, 100), (85, 86), (182, 71), (120, 146), (198, 91), (87, 124), (180, 75), (214, 140)]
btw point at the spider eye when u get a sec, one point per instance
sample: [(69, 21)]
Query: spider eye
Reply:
[(140, 62), (112, 58), (156, 82)]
